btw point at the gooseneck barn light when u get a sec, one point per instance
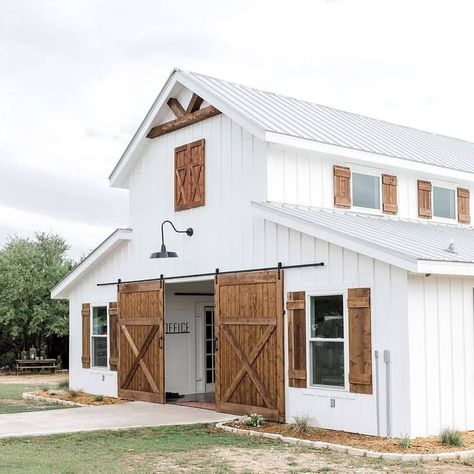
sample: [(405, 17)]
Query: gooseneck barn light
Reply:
[(163, 253)]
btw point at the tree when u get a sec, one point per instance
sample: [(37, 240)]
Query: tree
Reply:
[(29, 268)]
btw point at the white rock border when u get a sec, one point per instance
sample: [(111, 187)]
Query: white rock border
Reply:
[(348, 449), (53, 401)]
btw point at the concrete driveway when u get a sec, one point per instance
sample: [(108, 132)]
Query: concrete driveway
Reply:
[(107, 417)]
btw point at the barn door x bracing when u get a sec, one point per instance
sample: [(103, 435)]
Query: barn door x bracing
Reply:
[(141, 344), (249, 357)]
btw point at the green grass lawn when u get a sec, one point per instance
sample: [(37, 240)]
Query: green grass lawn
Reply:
[(186, 449), (11, 400)]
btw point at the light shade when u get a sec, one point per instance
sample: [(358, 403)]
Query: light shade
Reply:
[(163, 253)]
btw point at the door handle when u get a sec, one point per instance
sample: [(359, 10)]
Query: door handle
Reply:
[(216, 344), (161, 342)]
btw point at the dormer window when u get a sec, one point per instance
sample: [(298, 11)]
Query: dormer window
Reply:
[(366, 191), (444, 202)]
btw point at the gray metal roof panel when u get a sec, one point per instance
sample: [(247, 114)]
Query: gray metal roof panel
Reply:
[(415, 239), (302, 119)]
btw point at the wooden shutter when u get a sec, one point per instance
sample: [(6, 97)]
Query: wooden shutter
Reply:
[(342, 186), (190, 175), (113, 314), (360, 340), (389, 194), (86, 335), (424, 199), (464, 214), (296, 308)]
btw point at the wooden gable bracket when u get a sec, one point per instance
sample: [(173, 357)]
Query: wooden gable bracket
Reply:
[(192, 114)]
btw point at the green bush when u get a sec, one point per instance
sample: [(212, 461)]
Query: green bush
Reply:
[(404, 442), (254, 419), (451, 437), (99, 398), (301, 424), (64, 385)]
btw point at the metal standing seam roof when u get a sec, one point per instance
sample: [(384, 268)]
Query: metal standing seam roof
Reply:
[(302, 119), (415, 239)]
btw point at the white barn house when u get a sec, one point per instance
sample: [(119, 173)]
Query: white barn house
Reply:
[(345, 258)]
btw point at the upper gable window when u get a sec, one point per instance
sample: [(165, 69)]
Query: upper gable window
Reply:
[(365, 191), (444, 202), (189, 176)]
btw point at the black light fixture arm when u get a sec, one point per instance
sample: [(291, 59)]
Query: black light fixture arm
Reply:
[(189, 231)]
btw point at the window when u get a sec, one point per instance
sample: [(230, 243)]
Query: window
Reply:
[(99, 336), (327, 340), (365, 191), (444, 202)]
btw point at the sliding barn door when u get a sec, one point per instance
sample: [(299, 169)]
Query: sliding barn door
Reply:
[(141, 341), (249, 356)]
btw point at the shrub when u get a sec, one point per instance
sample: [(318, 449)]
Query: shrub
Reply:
[(64, 385), (404, 442), (451, 436), (75, 393), (99, 398), (45, 388), (254, 419), (301, 424)]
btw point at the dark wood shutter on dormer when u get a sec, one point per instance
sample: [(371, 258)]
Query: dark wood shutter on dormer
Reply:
[(296, 308), (389, 194), (424, 199), (360, 340), (464, 213), (189, 188), (342, 186), (86, 335)]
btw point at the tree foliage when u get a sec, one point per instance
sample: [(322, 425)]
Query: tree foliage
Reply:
[(29, 268)]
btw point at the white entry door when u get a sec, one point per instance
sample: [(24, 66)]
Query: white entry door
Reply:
[(209, 348)]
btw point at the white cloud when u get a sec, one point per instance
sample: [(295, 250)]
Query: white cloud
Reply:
[(78, 77)]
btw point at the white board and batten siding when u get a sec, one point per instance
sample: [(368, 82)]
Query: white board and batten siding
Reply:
[(296, 176), (441, 329), (345, 269)]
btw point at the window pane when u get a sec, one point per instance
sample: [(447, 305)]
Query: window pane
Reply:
[(366, 191), (444, 204), (99, 321), (327, 316), (327, 363), (99, 351)]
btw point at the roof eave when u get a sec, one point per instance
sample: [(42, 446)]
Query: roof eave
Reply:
[(341, 239), (118, 177), (60, 291), (436, 267), (367, 157)]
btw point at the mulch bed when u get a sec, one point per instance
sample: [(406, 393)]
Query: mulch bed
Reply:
[(79, 397), (373, 443)]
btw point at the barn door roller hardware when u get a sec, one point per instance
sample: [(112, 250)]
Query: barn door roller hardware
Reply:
[(217, 272), (163, 253)]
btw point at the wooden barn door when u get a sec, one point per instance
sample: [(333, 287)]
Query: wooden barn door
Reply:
[(141, 341), (249, 356)]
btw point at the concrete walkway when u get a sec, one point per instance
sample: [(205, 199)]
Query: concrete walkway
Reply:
[(107, 417)]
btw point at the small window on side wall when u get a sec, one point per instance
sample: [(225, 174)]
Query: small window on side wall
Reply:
[(444, 202), (99, 336), (365, 191), (327, 341)]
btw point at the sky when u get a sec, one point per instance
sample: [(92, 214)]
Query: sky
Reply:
[(77, 77)]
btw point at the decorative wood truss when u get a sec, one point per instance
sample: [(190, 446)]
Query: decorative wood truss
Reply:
[(184, 117)]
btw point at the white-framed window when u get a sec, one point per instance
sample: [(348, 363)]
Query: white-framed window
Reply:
[(327, 340), (99, 336), (366, 190), (444, 202)]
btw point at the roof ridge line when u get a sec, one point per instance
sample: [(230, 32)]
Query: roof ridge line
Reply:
[(408, 127)]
